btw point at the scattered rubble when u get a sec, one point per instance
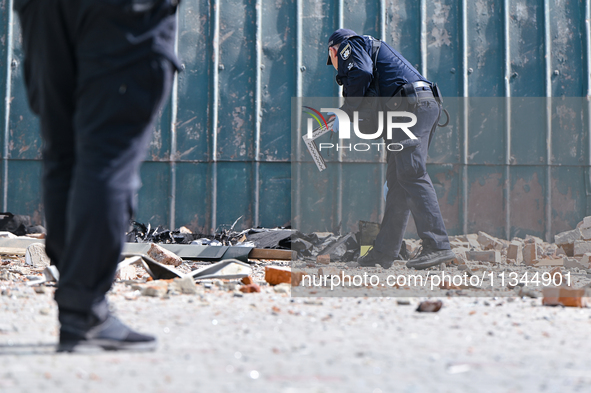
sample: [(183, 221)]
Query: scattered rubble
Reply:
[(161, 272)]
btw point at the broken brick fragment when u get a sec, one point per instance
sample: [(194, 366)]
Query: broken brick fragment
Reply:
[(488, 242), (564, 296), (493, 256), (247, 280), (549, 262), (581, 247), (586, 260), (530, 254), (567, 239), (323, 259), (250, 288), (515, 252), (296, 277), (556, 274), (162, 255), (126, 273), (276, 275)]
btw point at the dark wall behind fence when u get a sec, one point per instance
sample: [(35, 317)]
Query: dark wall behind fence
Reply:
[(222, 147)]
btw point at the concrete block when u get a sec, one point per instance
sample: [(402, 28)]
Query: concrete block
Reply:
[(515, 252), (164, 256), (585, 233), (484, 256), (530, 254), (581, 247)]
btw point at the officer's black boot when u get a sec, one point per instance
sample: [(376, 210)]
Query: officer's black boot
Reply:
[(374, 257), (99, 330), (430, 257)]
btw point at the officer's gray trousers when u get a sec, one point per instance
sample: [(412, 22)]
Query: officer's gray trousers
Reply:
[(410, 190)]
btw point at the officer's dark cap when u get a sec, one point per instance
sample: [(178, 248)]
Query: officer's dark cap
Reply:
[(337, 37)]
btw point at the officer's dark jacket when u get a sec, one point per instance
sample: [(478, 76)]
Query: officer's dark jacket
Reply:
[(355, 71)]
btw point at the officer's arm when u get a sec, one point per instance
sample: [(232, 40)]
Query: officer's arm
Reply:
[(355, 73)]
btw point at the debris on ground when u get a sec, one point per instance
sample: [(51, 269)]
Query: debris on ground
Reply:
[(19, 225), (164, 264), (430, 306)]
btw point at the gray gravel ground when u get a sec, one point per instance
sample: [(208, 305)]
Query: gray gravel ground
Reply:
[(216, 341)]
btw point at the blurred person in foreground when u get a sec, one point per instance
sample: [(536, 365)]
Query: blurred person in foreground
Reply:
[(97, 73)]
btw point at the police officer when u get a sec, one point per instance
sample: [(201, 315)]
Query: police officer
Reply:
[(368, 67), (97, 73)]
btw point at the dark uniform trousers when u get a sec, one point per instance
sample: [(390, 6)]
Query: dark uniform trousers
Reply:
[(97, 73), (410, 190)]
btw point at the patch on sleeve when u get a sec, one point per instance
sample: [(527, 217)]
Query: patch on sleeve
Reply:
[(346, 52)]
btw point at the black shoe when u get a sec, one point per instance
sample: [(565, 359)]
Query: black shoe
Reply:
[(110, 335), (430, 257), (374, 257)]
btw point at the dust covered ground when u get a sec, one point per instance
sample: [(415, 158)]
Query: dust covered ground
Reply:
[(220, 340)]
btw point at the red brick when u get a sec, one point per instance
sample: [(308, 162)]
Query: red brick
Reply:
[(276, 275)]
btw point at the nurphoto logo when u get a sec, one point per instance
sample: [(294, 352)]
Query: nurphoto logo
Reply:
[(394, 120)]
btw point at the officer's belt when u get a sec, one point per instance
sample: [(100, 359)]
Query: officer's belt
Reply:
[(410, 94)]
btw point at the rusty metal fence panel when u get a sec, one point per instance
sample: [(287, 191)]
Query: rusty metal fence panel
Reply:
[(222, 147)]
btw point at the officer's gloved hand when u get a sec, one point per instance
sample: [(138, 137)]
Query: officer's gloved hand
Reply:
[(385, 190), (335, 126)]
